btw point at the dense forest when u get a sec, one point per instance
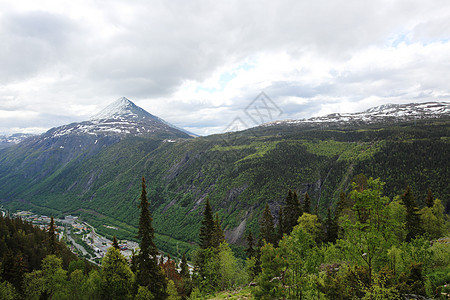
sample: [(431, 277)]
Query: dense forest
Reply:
[(370, 247), (239, 172)]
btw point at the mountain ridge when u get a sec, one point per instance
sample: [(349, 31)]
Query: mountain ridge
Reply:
[(239, 172), (386, 113)]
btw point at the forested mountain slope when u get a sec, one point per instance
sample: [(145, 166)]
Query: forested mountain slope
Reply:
[(239, 172)]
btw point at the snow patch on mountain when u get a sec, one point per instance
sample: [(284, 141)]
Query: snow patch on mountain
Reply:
[(391, 113), (120, 118)]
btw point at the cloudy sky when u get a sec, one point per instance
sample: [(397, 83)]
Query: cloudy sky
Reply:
[(199, 64)]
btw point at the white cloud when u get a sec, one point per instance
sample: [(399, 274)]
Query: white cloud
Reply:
[(198, 64)]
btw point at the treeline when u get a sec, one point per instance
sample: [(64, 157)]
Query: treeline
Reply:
[(370, 247), (23, 248)]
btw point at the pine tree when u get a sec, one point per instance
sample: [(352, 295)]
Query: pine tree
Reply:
[(52, 236), (429, 201), (149, 274), (207, 229), (413, 224), (266, 225), (331, 228), (307, 203), (291, 212), (280, 229), (250, 250), (115, 243), (218, 235), (184, 268)]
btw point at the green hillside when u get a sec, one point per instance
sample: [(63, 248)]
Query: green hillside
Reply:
[(239, 172)]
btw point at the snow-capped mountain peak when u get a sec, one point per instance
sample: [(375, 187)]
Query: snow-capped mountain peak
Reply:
[(122, 107), (120, 118), (386, 113)]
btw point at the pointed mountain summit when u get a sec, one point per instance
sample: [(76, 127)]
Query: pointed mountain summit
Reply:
[(122, 108), (122, 118)]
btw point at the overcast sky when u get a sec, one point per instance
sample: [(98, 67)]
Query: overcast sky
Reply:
[(199, 64)]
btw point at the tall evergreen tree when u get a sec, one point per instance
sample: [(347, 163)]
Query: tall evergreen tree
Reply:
[(331, 228), (413, 224), (52, 236), (307, 203), (266, 225), (184, 268), (280, 229), (250, 244), (429, 201), (115, 243), (207, 228), (218, 235), (291, 212), (149, 274)]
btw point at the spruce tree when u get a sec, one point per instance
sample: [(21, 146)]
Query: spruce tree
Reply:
[(207, 228), (307, 204), (280, 229), (429, 201), (52, 236), (149, 274), (184, 268), (250, 250), (115, 243), (266, 225), (331, 228), (218, 235), (413, 224), (291, 212)]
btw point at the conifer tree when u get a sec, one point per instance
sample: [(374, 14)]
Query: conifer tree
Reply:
[(291, 212), (413, 223), (149, 274), (266, 225), (331, 228), (52, 236), (280, 229), (115, 243), (218, 235), (250, 243), (207, 229), (184, 268), (429, 201), (307, 204)]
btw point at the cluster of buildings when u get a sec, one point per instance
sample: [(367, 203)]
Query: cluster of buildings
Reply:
[(96, 242)]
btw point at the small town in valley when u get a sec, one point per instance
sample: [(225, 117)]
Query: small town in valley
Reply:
[(80, 236)]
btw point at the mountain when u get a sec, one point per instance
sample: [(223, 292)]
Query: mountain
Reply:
[(383, 114), (121, 118), (40, 157), (13, 139), (97, 173)]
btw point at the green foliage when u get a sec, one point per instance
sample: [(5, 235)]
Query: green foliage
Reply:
[(370, 235), (245, 171), (270, 283), (7, 291), (149, 274), (266, 226), (413, 223), (207, 228), (117, 278), (432, 220)]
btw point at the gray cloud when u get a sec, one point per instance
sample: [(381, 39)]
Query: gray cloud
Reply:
[(57, 59)]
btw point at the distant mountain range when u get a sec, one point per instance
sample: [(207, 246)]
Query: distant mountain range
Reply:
[(383, 114), (13, 139), (93, 168)]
